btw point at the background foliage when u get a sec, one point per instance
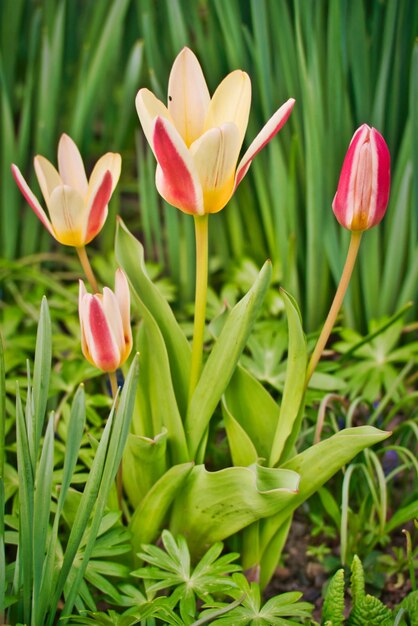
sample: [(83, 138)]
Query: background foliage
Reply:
[(75, 66)]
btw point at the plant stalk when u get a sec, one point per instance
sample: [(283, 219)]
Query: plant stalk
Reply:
[(85, 263), (336, 304), (201, 233)]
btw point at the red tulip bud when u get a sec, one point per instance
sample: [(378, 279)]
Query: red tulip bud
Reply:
[(363, 189)]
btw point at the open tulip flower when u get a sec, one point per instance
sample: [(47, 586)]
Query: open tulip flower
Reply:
[(77, 207), (197, 139), (106, 335), (363, 189)]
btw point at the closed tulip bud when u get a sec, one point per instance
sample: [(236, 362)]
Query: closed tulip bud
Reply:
[(77, 207), (197, 138), (106, 335), (363, 189)]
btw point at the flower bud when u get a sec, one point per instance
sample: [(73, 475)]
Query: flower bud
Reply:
[(106, 336), (363, 189)]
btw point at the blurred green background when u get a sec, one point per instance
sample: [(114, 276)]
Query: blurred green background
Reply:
[(75, 66)]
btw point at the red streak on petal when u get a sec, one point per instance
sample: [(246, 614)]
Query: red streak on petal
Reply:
[(98, 209), (244, 167), (383, 176), (178, 181), (31, 200), (104, 350)]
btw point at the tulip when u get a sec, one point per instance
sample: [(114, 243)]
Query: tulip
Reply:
[(106, 335), (77, 207), (363, 189), (196, 139)]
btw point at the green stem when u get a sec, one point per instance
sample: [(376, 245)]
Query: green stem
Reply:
[(84, 260), (201, 232), (337, 302)]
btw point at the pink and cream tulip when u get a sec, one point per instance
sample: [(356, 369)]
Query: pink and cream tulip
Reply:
[(106, 335), (363, 189), (77, 207), (197, 139)]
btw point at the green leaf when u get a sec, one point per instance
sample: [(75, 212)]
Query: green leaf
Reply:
[(315, 466), (288, 425), (147, 520), (333, 609), (41, 374), (130, 254), (144, 462), (223, 359), (214, 505), (158, 409), (250, 416)]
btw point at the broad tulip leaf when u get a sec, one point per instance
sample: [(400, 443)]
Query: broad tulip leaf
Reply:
[(156, 398), (149, 516), (130, 254), (316, 465), (251, 416), (214, 505), (288, 425), (41, 375), (144, 462), (223, 359)]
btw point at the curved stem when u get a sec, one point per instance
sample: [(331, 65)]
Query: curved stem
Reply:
[(201, 232), (336, 304), (85, 263)]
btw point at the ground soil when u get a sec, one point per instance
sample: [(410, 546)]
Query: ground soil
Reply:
[(302, 573)]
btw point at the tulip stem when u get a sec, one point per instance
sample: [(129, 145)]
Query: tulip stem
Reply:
[(336, 304), (114, 386), (85, 263), (201, 232)]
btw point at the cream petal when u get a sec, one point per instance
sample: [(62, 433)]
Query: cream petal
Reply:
[(275, 123), (188, 96), (231, 102), (31, 199), (47, 175), (176, 177), (70, 165), (112, 162), (68, 216), (113, 317), (124, 301), (215, 156), (148, 108)]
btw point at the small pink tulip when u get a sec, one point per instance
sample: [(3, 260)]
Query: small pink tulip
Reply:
[(197, 138), (106, 335), (77, 207), (363, 189)]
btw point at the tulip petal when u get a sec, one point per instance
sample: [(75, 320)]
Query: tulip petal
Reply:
[(275, 123), (176, 177), (215, 156), (148, 108), (124, 301), (31, 199), (110, 162), (68, 215), (112, 312), (47, 175), (231, 103), (381, 188), (188, 96), (102, 347), (81, 303), (70, 165), (97, 212)]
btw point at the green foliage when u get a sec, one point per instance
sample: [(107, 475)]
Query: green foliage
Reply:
[(369, 610), (172, 568), (410, 607), (334, 604)]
